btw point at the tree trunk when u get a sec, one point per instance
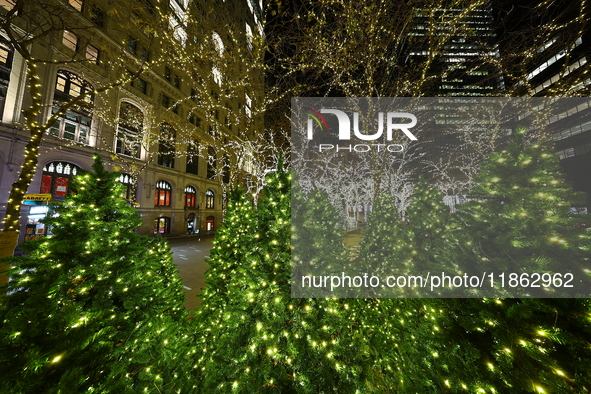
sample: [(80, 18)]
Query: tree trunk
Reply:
[(9, 236), (8, 241)]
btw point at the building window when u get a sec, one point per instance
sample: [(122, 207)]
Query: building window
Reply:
[(177, 81), (249, 37), (192, 224), (247, 105), (97, 16), (211, 163), (129, 130), (162, 225), (76, 123), (144, 55), (192, 158), (6, 54), (163, 194), (190, 197), (132, 44), (166, 150), (142, 86), (218, 43), (77, 4), (128, 182), (92, 53), (70, 85), (209, 223), (72, 126), (70, 40), (209, 199), (57, 176), (167, 74), (7, 4), (217, 75), (165, 101)]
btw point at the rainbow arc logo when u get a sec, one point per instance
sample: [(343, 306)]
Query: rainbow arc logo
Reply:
[(318, 118)]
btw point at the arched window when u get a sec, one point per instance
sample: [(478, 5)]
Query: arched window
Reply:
[(190, 197), (166, 149), (162, 197), (162, 225), (211, 163), (75, 124), (57, 176), (209, 199), (129, 130), (128, 182)]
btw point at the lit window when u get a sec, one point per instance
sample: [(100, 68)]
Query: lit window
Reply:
[(249, 37), (209, 199), (70, 40), (190, 197), (5, 55), (247, 105), (163, 194), (218, 43), (217, 75), (7, 4), (71, 85), (56, 177), (92, 53), (77, 4), (162, 225)]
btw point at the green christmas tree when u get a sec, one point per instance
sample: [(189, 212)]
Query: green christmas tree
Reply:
[(520, 223), (520, 220), (317, 244), (381, 244), (529, 345), (95, 307), (264, 341), (428, 241)]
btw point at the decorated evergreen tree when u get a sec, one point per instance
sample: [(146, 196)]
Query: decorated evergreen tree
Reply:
[(237, 230), (528, 345), (317, 244), (381, 245), (427, 241), (264, 341), (521, 223), (95, 307)]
